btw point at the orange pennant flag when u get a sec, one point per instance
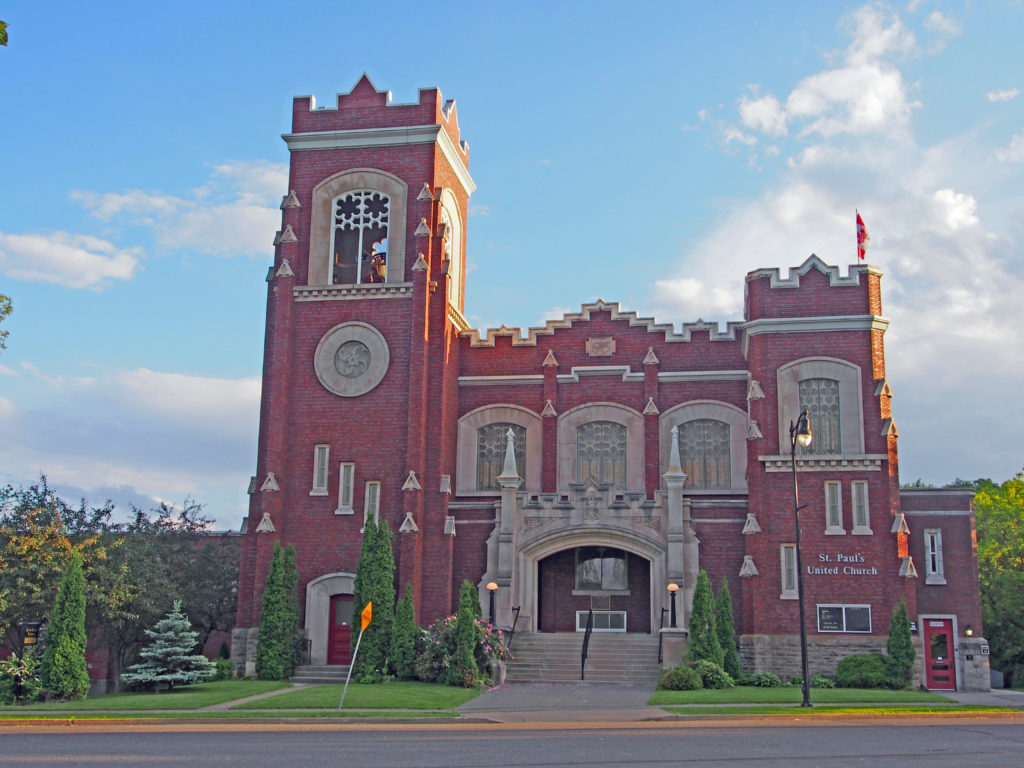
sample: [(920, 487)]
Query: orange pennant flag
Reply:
[(367, 615)]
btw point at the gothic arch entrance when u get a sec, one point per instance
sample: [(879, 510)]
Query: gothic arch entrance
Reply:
[(325, 603)]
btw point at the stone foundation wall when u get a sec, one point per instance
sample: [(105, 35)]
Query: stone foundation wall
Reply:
[(781, 653), (243, 650)]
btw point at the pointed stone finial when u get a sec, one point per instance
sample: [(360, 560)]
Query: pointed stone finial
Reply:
[(291, 200), (549, 410), (288, 235), (508, 469), (270, 484), (420, 265), (411, 483), (285, 270), (650, 409), (422, 230), (425, 193), (266, 524), (675, 464), (751, 525), (650, 358), (754, 391), (277, 237), (748, 568), (549, 360)]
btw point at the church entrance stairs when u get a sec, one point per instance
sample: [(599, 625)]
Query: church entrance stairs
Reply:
[(611, 658)]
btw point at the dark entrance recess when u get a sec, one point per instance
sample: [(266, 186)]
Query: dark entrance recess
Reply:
[(606, 579), (339, 636), (939, 664)]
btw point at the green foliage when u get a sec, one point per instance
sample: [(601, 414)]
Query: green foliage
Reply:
[(863, 670), (464, 671), (279, 643), (703, 633), (403, 637), (223, 669), (436, 651), (169, 658), (63, 672), (1000, 518), (5, 301), (19, 679), (712, 675), (822, 681), (766, 680), (726, 630), (374, 582), (681, 678), (900, 648)]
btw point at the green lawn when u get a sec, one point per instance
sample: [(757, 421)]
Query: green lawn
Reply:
[(748, 694), (189, 697), (833, 709), (383, 696)]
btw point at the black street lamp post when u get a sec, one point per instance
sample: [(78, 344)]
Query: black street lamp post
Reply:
[(492, 587), (673, 588), (800, 433)]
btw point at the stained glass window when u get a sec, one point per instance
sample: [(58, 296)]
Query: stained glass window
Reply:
[(360, 237), (601, 453), (490, 453), (820, 397), (601, 568), (704, 448)]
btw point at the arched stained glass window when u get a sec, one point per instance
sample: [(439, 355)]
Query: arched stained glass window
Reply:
[(704, 447), (360, 226), (491, 440), (601, 453), (820, 397)]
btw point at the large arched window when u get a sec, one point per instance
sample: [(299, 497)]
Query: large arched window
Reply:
[(601, 453), (705, 448), (361, 219), (491, 441), (820, 398)]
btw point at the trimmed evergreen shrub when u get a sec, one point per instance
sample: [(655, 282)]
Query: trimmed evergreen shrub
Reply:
[(681, 678), (279, 644), (374, 583), (900, 648), (726, 630), (464, 670), (63, 672), (712, 675), (703, 633), (223, 669), (822, 681), (863, 670), (403, 637), (766, 680), (169, 659)]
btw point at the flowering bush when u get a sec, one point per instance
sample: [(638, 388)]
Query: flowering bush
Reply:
[(436, 648)]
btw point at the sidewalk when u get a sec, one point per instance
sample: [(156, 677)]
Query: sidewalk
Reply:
[(542, 702)]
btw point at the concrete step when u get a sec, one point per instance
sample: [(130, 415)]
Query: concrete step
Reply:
[(611, 658), (321, 674)]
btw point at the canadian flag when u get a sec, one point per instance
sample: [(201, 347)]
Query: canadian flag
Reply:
[(862, 238)]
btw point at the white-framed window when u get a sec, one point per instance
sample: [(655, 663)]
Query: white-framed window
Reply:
[(789, 575), (844, 618), (834, 508), (371, 501), (933, 570), (861, 511), (346, 485), (603, 621), (320, 454)]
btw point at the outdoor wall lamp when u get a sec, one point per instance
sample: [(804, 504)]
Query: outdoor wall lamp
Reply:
[(492, 587), (673, 588)]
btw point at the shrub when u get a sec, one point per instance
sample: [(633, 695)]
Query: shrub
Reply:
[(796, 681), (223, 669), (766, 680), (403, 638), (726, 630), (713, 676), (822, 681), (18, 679), (435, 650), (681, 678), (900, 648), (703, 633), (63, 671), (374, 583), (863, 670), (280, 642)]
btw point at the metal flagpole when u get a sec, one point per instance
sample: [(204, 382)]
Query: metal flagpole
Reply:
[(365, 617)]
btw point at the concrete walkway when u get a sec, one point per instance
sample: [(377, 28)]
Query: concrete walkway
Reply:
[(997, 697)]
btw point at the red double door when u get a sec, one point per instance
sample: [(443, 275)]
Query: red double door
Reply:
[(939, 655), (339, 636)]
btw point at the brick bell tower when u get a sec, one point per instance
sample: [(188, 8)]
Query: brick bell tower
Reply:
[(364, 307)]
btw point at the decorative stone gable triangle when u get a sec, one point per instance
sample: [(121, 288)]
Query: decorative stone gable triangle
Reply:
[(421, 264), (907, 569), (882, 388), (266, 524), (751, 526), (291, 200), (446, 484), (425, 193), (449, 526), (650, 358), (408, 525), (650, 409), (753, 431), (422, 230), (270, 484), (899, 524), (285, 270), (889, 428), (288, 236), (549, 361), (748, 568), (411, 483), (277, 239), (549, 410), (443, 230), (754, 391)]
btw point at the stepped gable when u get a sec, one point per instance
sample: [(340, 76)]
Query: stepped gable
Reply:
[(814, 289)]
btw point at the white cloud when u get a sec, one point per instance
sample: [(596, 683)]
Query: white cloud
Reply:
[(732, 134), (955, 209), (938, 22), (1004, 95), (236, 212), (763, 114), (64, 258), (1014, 153)]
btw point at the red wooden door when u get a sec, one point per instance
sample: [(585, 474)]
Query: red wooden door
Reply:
[(939, 660), (339, 635)]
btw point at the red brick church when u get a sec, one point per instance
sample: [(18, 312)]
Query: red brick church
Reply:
[(587, 464)]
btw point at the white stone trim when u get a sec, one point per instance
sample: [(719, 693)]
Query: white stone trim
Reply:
[(350, 292), (500, 381), (466, 454), (318, 610), (572, 419), (822, 324), (851, 413), (324, 359), (813, 262), (718, 411), (864, 462)]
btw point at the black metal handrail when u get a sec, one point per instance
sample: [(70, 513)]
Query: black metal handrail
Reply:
[(586, 643), (661, 636), (512, 630)]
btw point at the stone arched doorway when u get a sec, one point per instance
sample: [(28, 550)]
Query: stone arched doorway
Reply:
[(318, 610)]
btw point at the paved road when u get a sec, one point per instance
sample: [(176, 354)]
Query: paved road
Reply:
[(978, 743)]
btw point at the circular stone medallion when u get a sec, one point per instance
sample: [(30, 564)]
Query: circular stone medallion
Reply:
[(351, 359)]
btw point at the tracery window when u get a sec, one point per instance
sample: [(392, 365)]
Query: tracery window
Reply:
[(601, 568), (601, 453), (360, 239), (705, 449), (820, 397), (491, 440)]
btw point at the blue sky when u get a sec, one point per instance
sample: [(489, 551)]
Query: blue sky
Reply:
[(650, 158)]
